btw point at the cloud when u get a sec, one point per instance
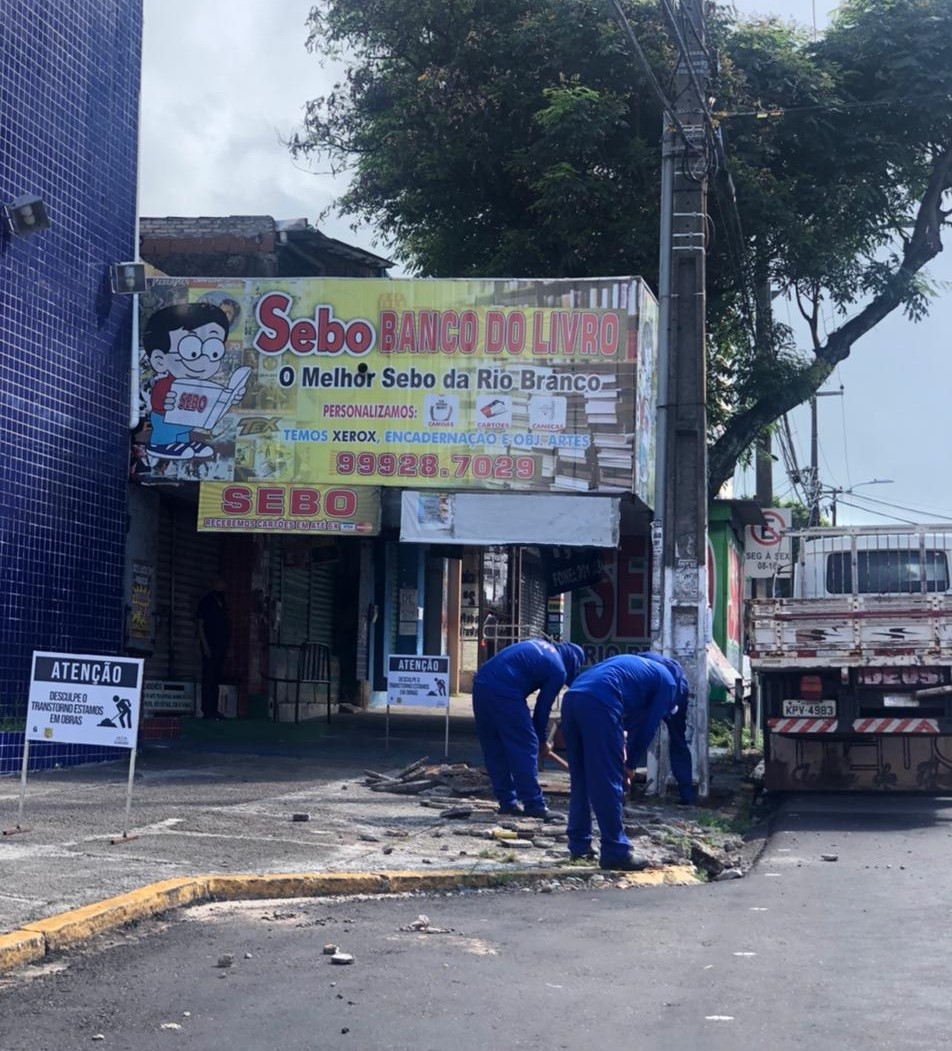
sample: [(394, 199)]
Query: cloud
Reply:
[(224, 86)]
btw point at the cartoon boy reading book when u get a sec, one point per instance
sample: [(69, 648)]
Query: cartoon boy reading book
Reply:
[(185, 344)]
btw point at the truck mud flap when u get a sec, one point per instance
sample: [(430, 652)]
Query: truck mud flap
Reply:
[(886, 762)]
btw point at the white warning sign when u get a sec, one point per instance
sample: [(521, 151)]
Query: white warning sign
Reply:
[(767, 548), (418, 682), (82, 699)]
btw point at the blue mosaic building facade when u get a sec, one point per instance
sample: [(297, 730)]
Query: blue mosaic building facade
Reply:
[(69, 99)]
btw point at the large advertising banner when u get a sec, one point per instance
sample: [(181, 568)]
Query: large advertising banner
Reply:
[(257, 507), (528, 385)]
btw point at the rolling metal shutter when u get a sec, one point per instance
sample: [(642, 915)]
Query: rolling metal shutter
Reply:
[(533, 595), (305, 590), (187, 561)]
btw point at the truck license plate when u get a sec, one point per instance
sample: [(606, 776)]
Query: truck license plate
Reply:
[(809, 709)]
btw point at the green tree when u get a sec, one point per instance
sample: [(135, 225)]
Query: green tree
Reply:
[(520, 137)]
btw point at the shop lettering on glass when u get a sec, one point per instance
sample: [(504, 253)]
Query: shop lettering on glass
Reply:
[(612, 612)]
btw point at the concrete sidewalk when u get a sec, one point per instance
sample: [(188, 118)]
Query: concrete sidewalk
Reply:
[(216, 809)]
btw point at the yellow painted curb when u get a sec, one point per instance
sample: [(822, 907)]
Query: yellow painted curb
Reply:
[(71, 928), (20, 947), (671, 876), (292, 885), (34, 940)]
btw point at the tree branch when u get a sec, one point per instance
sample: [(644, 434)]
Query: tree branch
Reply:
[(922, 247)]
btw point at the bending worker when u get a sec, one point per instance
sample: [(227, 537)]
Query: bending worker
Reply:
[(679, 752), (625, 694), (511, 740)]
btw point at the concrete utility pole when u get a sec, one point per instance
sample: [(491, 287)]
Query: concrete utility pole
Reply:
[(814, 488), (680, 611)]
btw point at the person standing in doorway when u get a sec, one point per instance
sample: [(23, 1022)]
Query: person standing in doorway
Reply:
[(214, 636), (512, 740)]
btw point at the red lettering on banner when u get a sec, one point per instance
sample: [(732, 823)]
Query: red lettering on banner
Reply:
[(566, 328), (340, 503), (468, 332), (429, 331), (301, 501), (589, 335), (516, 336), (449, 331), (322, 334), (270, 501), (388, 328), (495, 331), (305, 501), (236, 500)]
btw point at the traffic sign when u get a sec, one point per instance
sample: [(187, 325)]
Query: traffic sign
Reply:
[(767, 548)]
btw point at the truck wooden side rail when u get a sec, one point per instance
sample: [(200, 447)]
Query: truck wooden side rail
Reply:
[(855, 669)]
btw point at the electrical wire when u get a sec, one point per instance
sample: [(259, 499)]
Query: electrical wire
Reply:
[(832, 107), (902, 507), (666, 104), (880, 514)]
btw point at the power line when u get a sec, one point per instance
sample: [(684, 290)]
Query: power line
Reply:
[(666, 104), (902, 507), (880, 514), (832, 107)]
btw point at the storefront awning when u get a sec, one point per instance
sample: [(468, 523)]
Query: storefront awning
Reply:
[(509, 518)]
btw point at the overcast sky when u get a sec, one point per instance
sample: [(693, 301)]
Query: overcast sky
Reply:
[(224, 85)]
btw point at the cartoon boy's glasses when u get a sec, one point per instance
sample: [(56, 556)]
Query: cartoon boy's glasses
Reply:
[(191, 348)]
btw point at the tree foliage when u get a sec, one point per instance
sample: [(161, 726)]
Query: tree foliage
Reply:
[(521, 138)]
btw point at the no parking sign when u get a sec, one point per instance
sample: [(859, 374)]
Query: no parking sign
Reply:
[(767, 548)]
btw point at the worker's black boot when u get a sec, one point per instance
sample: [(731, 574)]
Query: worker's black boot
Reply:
[(629, 864)]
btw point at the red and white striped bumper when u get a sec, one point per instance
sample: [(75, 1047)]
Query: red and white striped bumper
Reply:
[(895, 726), (802, 726)]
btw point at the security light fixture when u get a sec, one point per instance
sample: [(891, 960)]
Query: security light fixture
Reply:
[(127, 279), (26, 215)]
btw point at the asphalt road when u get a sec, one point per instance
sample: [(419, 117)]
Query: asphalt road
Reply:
[(803, 953)]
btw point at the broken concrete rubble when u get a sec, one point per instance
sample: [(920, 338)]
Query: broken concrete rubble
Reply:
[(661, 832)]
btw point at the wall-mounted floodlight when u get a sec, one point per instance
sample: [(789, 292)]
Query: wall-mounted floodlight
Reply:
[(127, 279), (26, 215)]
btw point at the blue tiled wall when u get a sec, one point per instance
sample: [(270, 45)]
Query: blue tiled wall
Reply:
[(69, 88), (48, 755)]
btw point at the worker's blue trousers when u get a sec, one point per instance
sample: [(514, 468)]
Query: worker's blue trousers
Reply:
[(595, 747), (679, 753), (510, 748)]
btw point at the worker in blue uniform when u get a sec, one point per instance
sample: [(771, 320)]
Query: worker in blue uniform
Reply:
[(621, 695), (511, 740), (679, 752)]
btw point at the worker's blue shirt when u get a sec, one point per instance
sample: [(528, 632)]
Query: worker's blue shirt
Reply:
[(521, 669), (641, 691)]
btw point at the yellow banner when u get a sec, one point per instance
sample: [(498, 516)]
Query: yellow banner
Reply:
[(506, 385), (258, 507)]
